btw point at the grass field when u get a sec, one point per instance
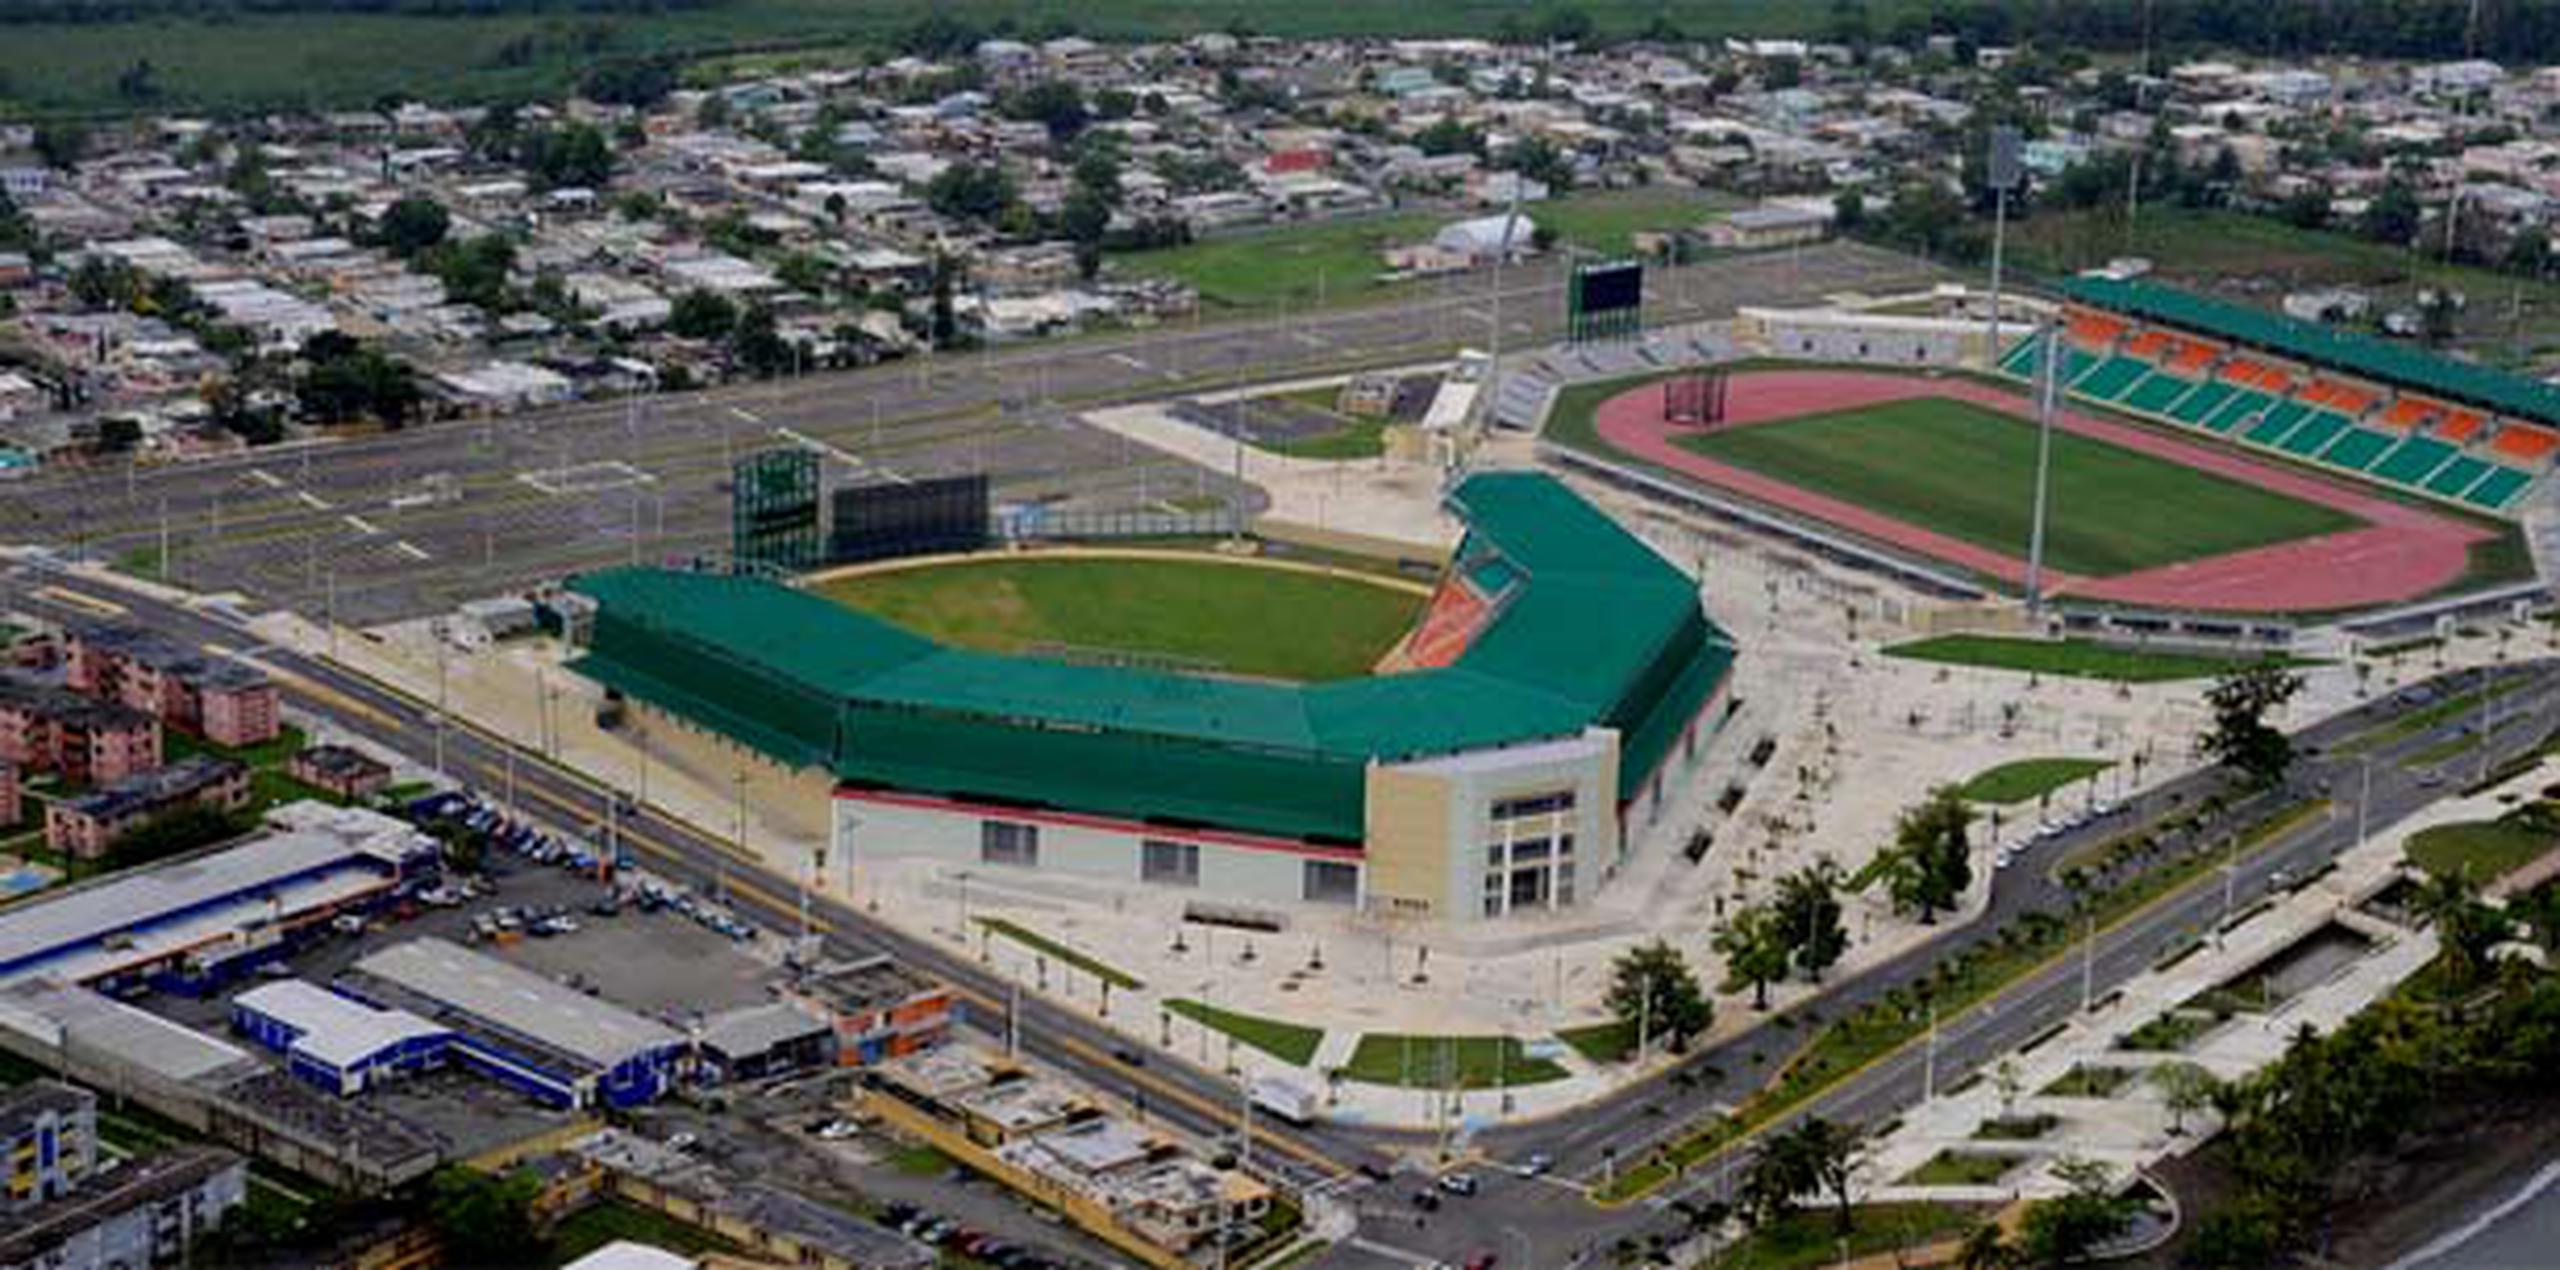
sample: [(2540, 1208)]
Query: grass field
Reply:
[(1288, 1042), (2481, 850), (1966, 471), (346, 58), (2211, 250), (1356, 438), (1956, 1168), (2073, 658), (1338, 261), (2029, 778), (1214, 612), (1442, 1062), (1811, 1238), (1062, 954)]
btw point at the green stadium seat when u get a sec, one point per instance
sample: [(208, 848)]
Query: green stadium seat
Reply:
[(2109, 379), (2457, 476), (2497, 489), (2021, 360), (2155, 391), (2357, 448), (2282, 418), (2414, 461), (2244, 402), (2315, 433), (2199, 405)]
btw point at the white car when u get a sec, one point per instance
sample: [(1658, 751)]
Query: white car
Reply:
[(2004, 859)]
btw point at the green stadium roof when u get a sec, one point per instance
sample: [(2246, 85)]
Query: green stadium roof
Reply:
[(2481, 386), (1589, 627)]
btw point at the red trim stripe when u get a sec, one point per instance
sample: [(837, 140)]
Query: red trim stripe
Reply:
[(1107, 824)]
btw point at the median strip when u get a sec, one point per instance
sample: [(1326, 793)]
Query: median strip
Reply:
[(1047, 947)]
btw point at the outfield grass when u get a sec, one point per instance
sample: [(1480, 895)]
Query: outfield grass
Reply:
[(2481, 850), (1967, 471), (2073, 658), (2017, 782), (1291, 1043), (1236, 617), (1441, 1062)]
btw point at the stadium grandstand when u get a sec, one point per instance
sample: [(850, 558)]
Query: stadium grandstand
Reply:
[(1559, 673), (2472, 436)]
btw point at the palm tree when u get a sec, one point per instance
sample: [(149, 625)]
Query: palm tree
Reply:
[(1986, 1247)]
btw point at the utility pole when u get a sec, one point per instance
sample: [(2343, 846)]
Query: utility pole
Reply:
[(1493, 365), (1929, 1061), (2048, 382), (2089, 967)]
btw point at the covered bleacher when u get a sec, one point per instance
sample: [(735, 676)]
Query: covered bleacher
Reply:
[(2310, 394)]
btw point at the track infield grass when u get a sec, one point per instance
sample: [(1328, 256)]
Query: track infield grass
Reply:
[(1968, 472), (1224, 615)]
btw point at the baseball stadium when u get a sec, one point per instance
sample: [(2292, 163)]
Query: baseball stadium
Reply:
[(1492, 760), (2207, 457)]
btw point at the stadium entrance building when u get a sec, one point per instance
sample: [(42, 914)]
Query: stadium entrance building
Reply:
[(1560, 674)]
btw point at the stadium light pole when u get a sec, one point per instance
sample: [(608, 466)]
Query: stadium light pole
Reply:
[(2048, 384), (1490, 392), (2002, 165)]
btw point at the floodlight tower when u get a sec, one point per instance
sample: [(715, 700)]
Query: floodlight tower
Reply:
[(2004, 173), (2048, 386)]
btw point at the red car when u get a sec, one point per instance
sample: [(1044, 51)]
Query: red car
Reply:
[(1481, 1261)]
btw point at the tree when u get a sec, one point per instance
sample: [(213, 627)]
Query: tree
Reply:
[(61, 145), (474, 271), (2187, 1088), (2305, 208), (1809, 914), (2069, 1227), (700, 314), (2393, 215), (1084, 220), (1931, 861), (2466, 927), (1055, 104), (1651, 988), (2239, 736), (577, 155), (1815, 1157), (343, 382), (483, 1220), (642, 82), (2437, 310), (1986, 1247), (1539, 160), (118, 434), (1849, 211), (1756, 950), (970, 191), (756, 342), (412, 224)]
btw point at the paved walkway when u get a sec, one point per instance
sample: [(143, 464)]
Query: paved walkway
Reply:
[(2135, 1127)]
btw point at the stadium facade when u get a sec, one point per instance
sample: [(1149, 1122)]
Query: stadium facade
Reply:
[(1561, 677)]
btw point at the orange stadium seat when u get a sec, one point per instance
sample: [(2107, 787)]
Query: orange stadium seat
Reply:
[(2193, 356), (2410, 412), (2240, 370), (2460, 426), (2149, 345), (2525, 441)]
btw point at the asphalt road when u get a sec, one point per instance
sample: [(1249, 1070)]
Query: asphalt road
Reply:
[(1543, 1221), (358, 524)]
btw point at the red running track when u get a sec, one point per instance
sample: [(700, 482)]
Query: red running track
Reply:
[(2401, 553)]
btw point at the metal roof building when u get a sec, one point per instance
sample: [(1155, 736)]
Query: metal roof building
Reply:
[(552, 1041)]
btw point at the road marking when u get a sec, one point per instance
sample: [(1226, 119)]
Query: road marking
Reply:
[(411, 550), (267, 478), (360, 524), (748, 415), (79, 601), (1311, 339), (314, 501), (1131, 362)]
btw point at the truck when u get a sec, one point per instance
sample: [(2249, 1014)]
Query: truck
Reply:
[(1286, 1099)]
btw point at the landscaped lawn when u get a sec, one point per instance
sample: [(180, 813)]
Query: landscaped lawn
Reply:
[(1289, 1042), (2028, 778), (2481, 850), (1968, 471), (1227, 615), (1442, 1062), (2075, 658), (1956, 1168), (1610, 1042), (2089, 1082), (1811, 1238), (1058, 952)]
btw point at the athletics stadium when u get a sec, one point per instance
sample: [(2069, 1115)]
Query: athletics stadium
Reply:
[(1495, 761)]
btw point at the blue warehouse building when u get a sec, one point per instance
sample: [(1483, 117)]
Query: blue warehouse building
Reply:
[(558, 1045), (340, 1044)]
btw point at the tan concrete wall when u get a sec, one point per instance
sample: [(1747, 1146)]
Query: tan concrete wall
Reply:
[(1408, 848)]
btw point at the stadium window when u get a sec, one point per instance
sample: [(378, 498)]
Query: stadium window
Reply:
[(1529, 849), (1533, 805), (1330, 882), (1169, 863), (1493, 857), (1008, 842), (1564, 884)]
